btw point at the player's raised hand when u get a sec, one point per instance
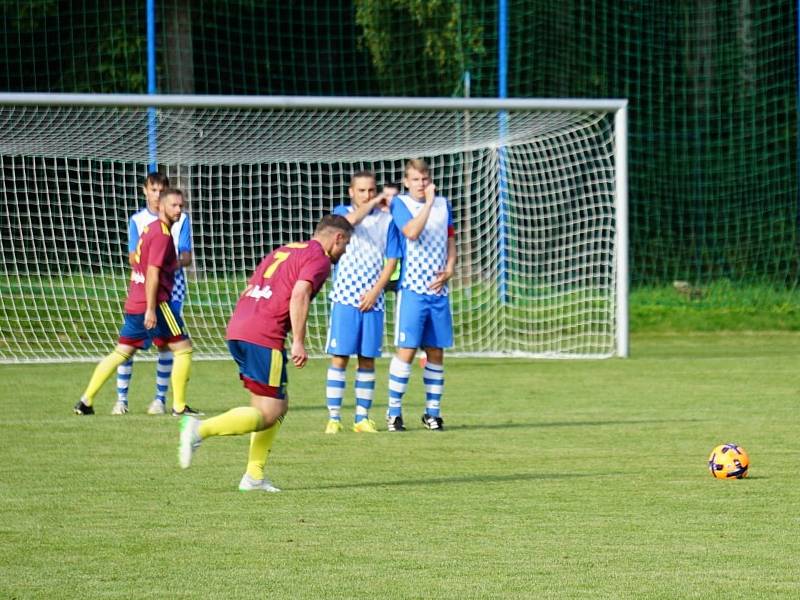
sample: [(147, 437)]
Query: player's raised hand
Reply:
[(299, 354), (384, 199), (377, 200), (430, 192)]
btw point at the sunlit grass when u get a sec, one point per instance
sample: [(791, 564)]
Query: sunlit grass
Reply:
[(554, 479)]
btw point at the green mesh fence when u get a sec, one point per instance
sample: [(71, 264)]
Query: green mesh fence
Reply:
[(712, 89)]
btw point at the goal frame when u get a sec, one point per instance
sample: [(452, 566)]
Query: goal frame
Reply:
[(617, 107)]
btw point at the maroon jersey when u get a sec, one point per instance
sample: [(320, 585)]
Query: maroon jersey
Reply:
[(155, 248), (261, 315)]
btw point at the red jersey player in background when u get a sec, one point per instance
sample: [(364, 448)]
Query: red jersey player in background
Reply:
[(276, 300), (149, 318)]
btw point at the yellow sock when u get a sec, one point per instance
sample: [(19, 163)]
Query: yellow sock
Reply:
[(180, 376), (236, 421), (260, 446), (104, 369)]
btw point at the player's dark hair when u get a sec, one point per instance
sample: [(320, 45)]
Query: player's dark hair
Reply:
[(359, 174), (391, 184), (170, 192), (158, 178), (334, 222)]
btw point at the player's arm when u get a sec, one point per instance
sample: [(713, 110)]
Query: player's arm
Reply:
[(133, 241), (298, 314), (185, 258), (185, 244), (389, 192), (369, 298), (357, 215), (150, 294), (155, 260), (446, 274), (414, 227)]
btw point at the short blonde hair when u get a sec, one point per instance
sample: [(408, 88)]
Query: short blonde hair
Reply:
[(418, 165)]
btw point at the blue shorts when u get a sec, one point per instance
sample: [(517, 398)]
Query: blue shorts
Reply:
[(352, 331), (423, 321), (169, 328), (261, 369)]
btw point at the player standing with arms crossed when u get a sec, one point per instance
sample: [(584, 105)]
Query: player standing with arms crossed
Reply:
[(424, 319), (357, 301), (275, 301), (149, 318), (181, 231)]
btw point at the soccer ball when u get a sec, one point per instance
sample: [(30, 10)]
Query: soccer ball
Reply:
[(729, 461)]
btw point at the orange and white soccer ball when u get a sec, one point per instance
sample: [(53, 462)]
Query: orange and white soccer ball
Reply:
[(729, 461)]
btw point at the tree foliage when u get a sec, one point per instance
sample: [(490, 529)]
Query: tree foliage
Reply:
[(433, 42), (68, 46)]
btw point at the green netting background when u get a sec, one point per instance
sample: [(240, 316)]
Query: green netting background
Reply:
[(712, 88)]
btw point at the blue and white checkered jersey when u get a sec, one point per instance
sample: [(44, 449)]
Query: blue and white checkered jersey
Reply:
[(357, 271), (426, 256), (181, 236)]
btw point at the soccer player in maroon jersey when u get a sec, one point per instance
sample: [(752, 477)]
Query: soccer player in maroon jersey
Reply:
[(276, 300), (149, 318)]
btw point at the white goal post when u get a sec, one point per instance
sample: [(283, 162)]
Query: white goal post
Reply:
[(538, 189)]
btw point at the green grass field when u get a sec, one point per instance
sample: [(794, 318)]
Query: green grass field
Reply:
[(554, 479), (78, 320)]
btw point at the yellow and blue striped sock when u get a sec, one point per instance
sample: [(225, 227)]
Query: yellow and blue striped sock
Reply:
[(124, 374), (163, 373)]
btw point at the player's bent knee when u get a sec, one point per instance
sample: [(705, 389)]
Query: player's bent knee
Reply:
[(125, 350), (271, 409), (185, 344)]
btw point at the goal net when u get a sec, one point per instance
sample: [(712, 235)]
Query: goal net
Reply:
[(537, 189)]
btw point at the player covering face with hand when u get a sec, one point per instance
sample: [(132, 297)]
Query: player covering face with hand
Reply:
[(424, 319), (357, 302), (276, 300)]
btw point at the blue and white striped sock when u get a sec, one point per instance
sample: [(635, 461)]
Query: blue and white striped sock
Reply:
[(124, 374), (334, 392), (433, 378), (163, 373), (399, 372), (365, 392)]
